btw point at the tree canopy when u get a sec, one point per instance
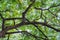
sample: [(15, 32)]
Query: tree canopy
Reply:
[(29, 19)]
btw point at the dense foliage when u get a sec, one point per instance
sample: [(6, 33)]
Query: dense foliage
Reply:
[(29, 19)]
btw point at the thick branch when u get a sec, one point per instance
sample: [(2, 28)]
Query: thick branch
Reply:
[(27, 23)]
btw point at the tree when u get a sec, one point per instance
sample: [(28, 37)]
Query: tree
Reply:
[(29, 19)]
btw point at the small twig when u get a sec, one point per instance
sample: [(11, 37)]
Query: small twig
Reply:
[(25, 32), (3, 21), (1, 16), (8, 36), (23, 14), (52, 13), (12, 18)]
